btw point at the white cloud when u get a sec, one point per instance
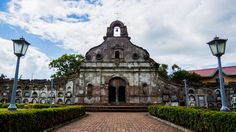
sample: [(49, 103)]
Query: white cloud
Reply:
[(33, 63), (172, 31)]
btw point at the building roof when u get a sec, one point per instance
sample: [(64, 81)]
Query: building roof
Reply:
[(228, 71)]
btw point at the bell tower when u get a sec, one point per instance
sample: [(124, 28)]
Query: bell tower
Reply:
[(116, 29)]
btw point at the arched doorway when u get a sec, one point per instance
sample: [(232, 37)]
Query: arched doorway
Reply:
[(117, 90)]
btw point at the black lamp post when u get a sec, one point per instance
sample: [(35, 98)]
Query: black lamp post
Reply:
[(217, 47), (20, 47)]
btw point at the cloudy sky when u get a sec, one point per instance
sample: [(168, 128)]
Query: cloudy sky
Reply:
[(173, 31)]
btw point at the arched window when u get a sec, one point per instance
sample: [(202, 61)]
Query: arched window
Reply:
[(117, 54), (43, 94), (116, 31), (60, 101), (68, 101), (217, 91), (34, 94), (60, 94), (18, 93), (69, 88)]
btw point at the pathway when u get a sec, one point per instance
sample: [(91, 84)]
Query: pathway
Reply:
[(117, 122)]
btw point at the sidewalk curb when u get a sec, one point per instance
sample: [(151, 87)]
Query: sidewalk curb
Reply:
[(63, 124), (170, 124)]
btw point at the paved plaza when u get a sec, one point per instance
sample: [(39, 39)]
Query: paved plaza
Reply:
[(117, 122)]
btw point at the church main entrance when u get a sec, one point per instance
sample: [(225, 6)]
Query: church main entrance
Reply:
[(117, 90)]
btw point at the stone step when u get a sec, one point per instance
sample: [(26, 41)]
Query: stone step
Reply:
[(116, 108)]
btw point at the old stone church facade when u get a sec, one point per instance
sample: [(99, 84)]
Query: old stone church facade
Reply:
[(120, 72)]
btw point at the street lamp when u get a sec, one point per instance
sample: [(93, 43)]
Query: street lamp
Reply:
[(20, 47), (186, 91), (51, 92), (217, 47), (52, 84)]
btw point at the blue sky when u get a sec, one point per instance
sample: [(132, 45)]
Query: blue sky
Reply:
[(46, 46), (173, 32)]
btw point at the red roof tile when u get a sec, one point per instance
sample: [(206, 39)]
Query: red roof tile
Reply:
[(228, 71), (231, 70), (205, 72)]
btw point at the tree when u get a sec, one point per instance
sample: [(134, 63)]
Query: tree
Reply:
[(175, 67), (162, 70), (66, 65), (180, 75), (2, 76)]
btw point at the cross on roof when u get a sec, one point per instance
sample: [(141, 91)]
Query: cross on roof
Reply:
[(117, 11), (117, 15)]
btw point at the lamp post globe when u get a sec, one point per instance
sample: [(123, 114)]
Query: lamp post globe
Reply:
[(217, 47), (20, 47)]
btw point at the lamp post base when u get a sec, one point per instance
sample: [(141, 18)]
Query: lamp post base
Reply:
[(12, 107), (224, 109)]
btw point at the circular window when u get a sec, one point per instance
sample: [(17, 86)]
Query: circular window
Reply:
[(99, 56), (135, 56), (88, 57)]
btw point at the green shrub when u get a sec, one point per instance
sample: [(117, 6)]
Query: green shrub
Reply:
[(196, 119), (37, 119), (5, 105), (205, 108), (30, 106), (36, 106)]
